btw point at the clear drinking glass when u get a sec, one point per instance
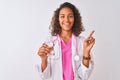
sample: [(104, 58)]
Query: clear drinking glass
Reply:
[(51, 46)]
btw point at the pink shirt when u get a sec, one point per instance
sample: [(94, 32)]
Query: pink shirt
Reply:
[(68, 73)]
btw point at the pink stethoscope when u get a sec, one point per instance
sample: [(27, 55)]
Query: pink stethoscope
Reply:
[(76, 57)]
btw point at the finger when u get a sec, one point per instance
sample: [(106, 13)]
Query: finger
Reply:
[(90, 38), (42, 52), (91, 41), (90, 35), (46, 50), (44, 45)]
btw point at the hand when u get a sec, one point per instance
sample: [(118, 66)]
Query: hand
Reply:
[(88, 44), (44, 50)]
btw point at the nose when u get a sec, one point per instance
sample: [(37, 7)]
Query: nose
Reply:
[(66, 18)]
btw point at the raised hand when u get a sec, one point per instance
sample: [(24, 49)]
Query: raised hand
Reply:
[(88, 43)]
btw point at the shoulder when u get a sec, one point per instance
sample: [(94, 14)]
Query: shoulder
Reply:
[(53, 37), (81, 38)]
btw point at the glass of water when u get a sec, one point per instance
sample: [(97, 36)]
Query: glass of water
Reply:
[(51, 47)]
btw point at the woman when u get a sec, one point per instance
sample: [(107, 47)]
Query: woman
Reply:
[(72, 59)]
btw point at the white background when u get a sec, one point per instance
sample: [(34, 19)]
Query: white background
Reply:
[(24, 24)]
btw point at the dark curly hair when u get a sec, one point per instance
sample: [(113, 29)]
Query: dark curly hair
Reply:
[(77, 26)]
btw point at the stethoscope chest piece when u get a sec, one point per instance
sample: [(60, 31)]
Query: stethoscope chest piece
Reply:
[(76, 58)]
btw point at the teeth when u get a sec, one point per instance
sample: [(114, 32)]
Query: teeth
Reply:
[(67, 24)]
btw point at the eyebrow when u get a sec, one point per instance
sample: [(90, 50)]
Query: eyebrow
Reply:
[(68, 14)]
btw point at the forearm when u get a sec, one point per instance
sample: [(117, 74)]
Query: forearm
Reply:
[(86, 58), (85, 72), (44, 64), (86, 63)]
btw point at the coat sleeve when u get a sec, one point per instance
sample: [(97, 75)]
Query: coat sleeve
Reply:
[(46, 73), (84, 72)]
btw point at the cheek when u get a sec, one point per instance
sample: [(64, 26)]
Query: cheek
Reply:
[(60, 21), (72, 21)]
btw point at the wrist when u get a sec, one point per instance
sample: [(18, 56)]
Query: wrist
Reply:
[(44, 59), (86, 57)]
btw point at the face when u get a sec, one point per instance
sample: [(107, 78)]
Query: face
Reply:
[(66, 19)]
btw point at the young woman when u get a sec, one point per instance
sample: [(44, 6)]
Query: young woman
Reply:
[(69, 58)]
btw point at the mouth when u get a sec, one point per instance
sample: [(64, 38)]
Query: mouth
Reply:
[(66, 24)]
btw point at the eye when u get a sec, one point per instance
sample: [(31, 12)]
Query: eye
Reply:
[(61, 16), (71, 16)]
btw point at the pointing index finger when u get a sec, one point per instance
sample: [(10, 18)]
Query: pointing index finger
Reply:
[(90, 35)]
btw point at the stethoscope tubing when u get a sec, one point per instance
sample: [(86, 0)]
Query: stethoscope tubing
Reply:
[(76, 57)]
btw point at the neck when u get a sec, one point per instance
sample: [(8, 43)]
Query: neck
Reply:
[(66, 36)]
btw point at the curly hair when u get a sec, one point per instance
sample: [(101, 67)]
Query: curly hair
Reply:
[(77, 26)]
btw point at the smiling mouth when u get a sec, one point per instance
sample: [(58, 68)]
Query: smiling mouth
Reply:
[(67, 24)]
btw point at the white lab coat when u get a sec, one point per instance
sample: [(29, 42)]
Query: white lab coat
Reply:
[(54, 69)]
